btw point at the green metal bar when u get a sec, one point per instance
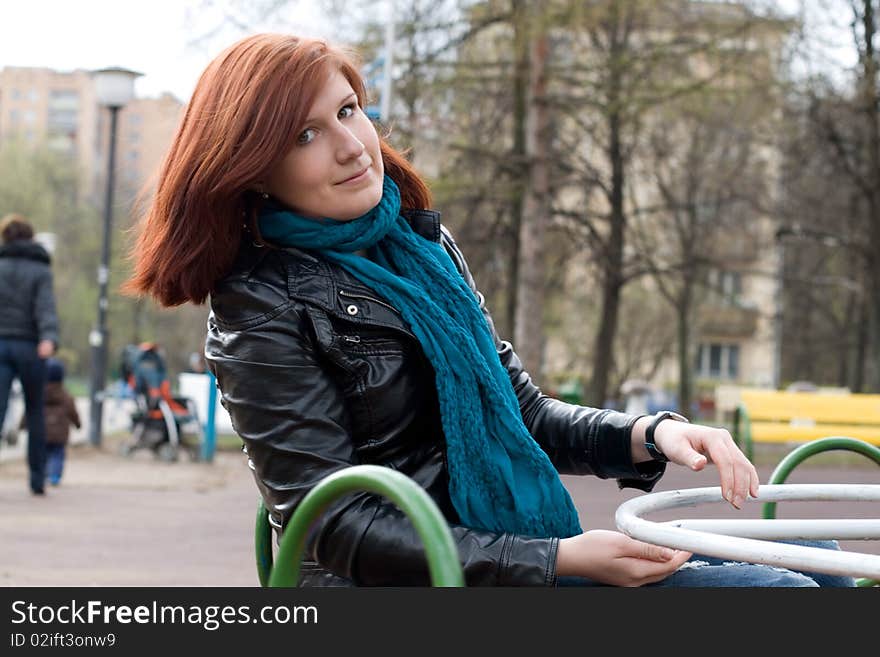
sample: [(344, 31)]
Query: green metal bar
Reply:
[(805, 451), (746, 422), (263, 544), (443, 561), (737, 412)]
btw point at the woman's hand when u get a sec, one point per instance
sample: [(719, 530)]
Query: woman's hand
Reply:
[(613, 558), (694, 445)]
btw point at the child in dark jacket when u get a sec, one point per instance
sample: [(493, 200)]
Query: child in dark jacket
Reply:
[(60, 411)]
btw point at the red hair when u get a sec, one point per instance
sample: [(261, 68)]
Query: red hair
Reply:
[(246, 110)]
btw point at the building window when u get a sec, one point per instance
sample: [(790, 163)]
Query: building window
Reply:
[(717, 361), (726, 286), (733, 361), (62, 121), (64, 99)]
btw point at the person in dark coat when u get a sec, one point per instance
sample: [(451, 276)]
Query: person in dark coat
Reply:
[(28, 332)]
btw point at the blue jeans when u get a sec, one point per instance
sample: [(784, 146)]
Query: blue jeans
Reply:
[(18, 358), (55, 462), (703, 571)]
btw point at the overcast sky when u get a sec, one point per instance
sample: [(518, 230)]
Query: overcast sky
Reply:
[(154, 37), (169, 41)]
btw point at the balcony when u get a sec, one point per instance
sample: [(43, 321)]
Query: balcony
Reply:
[(727, 321), (737, 248)]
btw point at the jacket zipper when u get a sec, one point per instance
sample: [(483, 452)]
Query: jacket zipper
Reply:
[(343, 293)]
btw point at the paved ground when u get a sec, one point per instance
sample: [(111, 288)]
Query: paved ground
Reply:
[(118, 521)]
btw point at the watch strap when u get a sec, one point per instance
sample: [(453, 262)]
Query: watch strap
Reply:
[(650, 445)]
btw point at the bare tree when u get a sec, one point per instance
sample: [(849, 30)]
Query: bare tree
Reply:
[(709, 177), (834, 192), (635, 57)]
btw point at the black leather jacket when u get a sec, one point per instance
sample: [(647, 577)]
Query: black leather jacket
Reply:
[(319, 373)]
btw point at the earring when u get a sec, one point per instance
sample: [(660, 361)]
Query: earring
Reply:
[(265, 196)]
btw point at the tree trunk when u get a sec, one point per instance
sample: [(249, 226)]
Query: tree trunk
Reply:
[(872, 118), (520, 105), (847, 332), (137, 320), (612, 276), (529, 325), (858, 384), (685, 375)]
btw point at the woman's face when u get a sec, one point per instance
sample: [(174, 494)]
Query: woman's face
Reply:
[(335, 168)]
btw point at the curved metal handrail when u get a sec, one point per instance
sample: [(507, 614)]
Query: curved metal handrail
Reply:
[(263, 544), (805, 451), (431, 525), (723, 538)]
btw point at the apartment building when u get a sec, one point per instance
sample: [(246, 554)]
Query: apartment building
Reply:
[(58, 110), (733, 330), (43, 107), (146, 127)]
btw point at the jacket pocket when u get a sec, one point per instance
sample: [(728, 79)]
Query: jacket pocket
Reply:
[(380, 372)]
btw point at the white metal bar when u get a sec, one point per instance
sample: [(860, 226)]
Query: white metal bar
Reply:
[(783, 555), (850, 529)]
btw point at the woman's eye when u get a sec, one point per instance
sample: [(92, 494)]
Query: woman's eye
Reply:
[(347, 111), (305, 136)]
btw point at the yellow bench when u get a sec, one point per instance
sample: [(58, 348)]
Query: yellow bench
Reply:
[(771, 416)]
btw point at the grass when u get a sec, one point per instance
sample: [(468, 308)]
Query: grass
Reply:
[(225, 442), (228, 442)]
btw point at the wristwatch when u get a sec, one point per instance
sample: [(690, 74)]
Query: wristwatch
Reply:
[(652, 448)]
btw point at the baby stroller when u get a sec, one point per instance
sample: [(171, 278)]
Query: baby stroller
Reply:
[(162, 423)]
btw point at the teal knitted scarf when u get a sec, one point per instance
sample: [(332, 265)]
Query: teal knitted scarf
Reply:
[(499, 477)]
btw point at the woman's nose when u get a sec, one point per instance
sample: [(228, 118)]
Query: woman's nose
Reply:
[(349, 146)]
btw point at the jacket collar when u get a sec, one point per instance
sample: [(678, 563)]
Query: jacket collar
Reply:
[(334, 287), (424, 222), (27, 249)]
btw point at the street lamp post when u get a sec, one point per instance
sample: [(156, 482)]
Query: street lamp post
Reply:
[(781, 234), (795, 231), (114, 88)]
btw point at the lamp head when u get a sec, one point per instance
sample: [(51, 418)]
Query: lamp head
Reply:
[(114, 87)]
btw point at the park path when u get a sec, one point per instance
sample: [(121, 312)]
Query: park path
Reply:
[(119, 521)]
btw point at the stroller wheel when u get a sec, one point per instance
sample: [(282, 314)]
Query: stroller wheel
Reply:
[(167, 452)]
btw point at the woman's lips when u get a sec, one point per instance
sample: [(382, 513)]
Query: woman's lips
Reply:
[(355, 178)]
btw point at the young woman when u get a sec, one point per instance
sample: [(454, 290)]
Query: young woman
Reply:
[(346, 328)]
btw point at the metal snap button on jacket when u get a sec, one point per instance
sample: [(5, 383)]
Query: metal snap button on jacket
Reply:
[(351, 309)]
